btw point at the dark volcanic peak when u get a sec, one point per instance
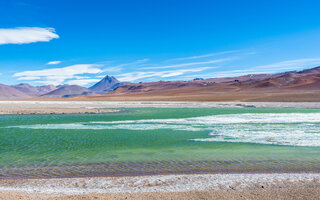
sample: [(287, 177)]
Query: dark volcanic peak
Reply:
[(69, 91), (107, 84)]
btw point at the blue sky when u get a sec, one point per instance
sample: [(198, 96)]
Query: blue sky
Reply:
[(79, 42)]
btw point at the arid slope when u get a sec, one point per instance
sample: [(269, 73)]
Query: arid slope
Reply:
[(290, 86)]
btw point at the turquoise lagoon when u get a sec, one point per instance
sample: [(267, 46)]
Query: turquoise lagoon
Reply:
[(160, 141)]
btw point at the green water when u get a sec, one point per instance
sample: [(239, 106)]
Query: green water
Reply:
[(160, 140)]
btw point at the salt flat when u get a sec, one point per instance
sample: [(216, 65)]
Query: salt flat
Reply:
[(74, 107)]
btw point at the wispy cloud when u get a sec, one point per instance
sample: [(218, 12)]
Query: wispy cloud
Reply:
[(204, 55), (288, 65), (133, 63), (112, 69), (118, 68), (192, 63), (133, 76), (25, 35), (54, 62), (291, 64), (58, 75)]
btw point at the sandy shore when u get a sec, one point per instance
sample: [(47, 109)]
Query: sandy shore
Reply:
[(205, 186), (78, 107), (38, 108)]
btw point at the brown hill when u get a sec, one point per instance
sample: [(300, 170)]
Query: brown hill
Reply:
[(7, 92), (306, 80), (34, 90), (249, 77)]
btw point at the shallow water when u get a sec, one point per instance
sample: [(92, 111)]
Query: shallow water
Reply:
[(160, 140)]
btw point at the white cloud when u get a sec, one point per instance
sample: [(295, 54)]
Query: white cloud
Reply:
[(82, 82), (133, 63), (118, 68), (58, 75), (29, 78), (113, 69), (133, 76), (54, 62), (101, 76), (82, 77), (25, 35), (191, 64)]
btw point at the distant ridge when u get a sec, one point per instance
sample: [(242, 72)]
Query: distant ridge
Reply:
[(25, 90), (7, 92), (68, 91), (302, 85), (107, 84), (34, 90)]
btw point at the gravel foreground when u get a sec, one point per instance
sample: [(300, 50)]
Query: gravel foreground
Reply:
[(311, 193)]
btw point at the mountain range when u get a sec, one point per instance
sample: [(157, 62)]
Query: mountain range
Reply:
[(301, 85), (26, 91)]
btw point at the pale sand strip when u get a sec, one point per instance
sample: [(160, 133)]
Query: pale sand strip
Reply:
[(76, 107), (35, 107), (196, 186), (160, 183)]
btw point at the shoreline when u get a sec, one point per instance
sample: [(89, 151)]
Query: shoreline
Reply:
[(49, 108), (47, 174), (99, 107), (164, 186), (246, 185)]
